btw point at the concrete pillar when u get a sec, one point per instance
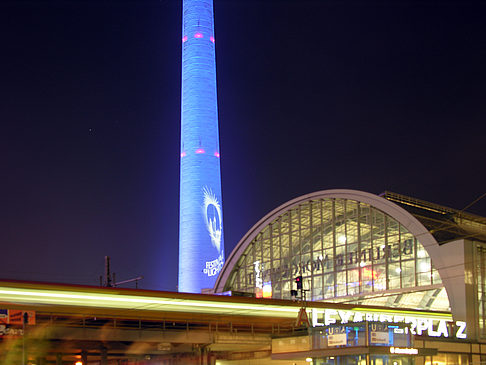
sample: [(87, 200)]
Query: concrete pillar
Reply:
[(211, 359), (25, 356), (104, 356), (84, 357), (208, 357), (476, 359), (420, 360), (203, 356)]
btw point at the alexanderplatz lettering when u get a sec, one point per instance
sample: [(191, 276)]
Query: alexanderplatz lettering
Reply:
[(421, 326), (365, 256)]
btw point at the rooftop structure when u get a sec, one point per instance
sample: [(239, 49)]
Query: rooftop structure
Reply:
[(444, 223)]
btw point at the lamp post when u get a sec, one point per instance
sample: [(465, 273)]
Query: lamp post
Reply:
[(25, 318)]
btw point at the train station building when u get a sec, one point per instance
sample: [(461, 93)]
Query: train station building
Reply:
[(387, 280), (357, 248)]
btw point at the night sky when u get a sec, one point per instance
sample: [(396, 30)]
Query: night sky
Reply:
[(313, 95)]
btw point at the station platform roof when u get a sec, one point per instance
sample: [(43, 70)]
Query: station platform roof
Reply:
[(150, 304)]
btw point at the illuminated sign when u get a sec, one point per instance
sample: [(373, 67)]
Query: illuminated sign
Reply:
[(461, 331), (9, 317), (316, 266), (213, 268), (258, 274), (15, 316), (379, 337), (421, 326), (339, 339), (403, 351), (267, 290), (336, 336)]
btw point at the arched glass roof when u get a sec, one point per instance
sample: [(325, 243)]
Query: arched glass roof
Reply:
[(345, 248)]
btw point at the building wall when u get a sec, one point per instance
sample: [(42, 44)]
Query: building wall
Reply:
[(451, 353), (264, 361)]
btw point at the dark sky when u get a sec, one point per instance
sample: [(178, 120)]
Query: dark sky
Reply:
[(313, 95)]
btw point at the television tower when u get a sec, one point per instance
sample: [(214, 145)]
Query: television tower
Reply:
[(201, 244)]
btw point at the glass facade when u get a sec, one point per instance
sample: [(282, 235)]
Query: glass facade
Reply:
[(440, 359), (447, 359), (361, 334), (480, 268), (345, 251), (362, 360)]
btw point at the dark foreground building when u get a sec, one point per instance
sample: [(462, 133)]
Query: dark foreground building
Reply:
[(389, 280)]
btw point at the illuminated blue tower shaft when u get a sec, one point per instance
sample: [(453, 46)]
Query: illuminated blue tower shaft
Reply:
[(201, 244)]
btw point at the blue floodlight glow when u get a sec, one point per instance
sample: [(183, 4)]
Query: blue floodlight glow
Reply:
[(201, 244)]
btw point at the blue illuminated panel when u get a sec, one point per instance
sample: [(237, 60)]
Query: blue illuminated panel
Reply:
[(201, 244)]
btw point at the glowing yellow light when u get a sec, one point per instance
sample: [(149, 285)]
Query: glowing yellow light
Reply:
[(138, 302), (121, 300), (341, 239), (78, 363), (403, 350), (267, 290)]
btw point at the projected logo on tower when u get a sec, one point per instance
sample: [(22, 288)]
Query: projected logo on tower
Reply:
[(214, 224)]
